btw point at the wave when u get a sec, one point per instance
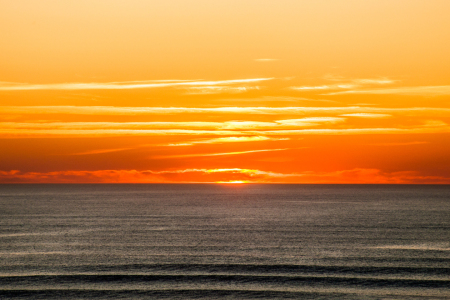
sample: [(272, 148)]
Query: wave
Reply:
[(247, 269), (168, 294), (224, 278), (205, 294), (424, 247), (230, 269)]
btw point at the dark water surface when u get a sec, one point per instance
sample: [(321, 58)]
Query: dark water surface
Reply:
[(224, 242)]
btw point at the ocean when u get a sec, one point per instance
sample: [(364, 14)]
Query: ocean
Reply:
[(219, 241)]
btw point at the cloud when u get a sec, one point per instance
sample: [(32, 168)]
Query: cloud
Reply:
[(379, 80), (346, 84), (399, 144), (102, 151), (355, 176), (310, 121), (265, 59), (21, 130), (270, 98), (368, 81), (372, 176), (226, 125), (356, 131), (288, 123), (288, 99), (111, 125), (250, 172), (139, 176), (36, 133), (124, 85), (367, 115), (219, 154), (434, 123), (324, 87), (206, 90), (284, 99), (360, 81), (131, 111), (245, 125), (409, 91), (181, 132), (221, 140), (231, 139)]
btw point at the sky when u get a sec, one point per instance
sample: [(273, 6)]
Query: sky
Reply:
[(257, 91)]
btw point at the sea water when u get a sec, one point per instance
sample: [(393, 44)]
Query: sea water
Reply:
[(208, 241)]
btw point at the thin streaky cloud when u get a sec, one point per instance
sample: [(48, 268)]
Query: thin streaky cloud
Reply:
[(102, 151), (231, 139), (367, 115), (310, 121), (400, 144), (112, 125), (323, 87), (434, 123), (356, 131), (360, 81), (345, 84), (156, 81), (294, 99), (130, 111), (226, 125), (247, 125), (208, 90), (274, 99), (36, 133), (266, 59), (122, 85), (219, 154), (250, 172), (369, 81), (441, 90)]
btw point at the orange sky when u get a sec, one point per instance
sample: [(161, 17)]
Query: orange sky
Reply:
[(324, 91)]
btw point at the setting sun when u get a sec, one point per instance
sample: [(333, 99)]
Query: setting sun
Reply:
[(233, 181)]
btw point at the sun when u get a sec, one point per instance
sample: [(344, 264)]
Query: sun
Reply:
[(234, 181)]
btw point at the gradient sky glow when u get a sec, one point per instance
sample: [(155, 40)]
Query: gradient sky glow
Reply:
[(324, 91)]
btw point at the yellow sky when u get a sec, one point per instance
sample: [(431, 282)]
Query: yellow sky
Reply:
[(322, 91)]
